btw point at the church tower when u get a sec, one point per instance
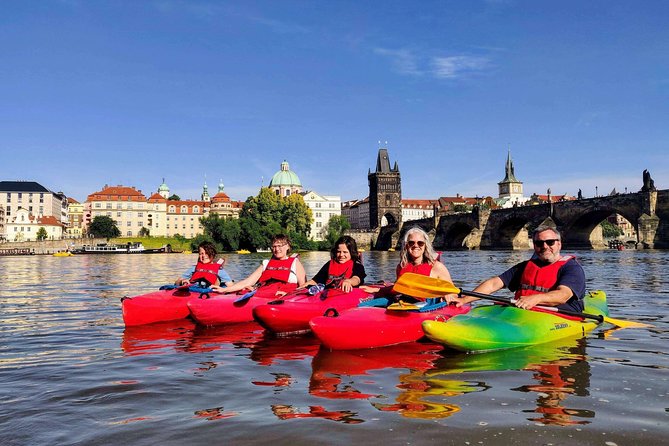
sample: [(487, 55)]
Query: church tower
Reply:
[(510, 189), (385, 193)]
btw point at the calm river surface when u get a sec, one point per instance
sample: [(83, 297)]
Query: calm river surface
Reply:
[(71, 374)]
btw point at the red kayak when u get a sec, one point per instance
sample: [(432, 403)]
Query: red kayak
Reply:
[(159, 306), (221, 309), (369, 327), (293, 313)]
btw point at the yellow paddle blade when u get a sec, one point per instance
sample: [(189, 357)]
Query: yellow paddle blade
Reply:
[(626, 324), (403, 306), (423, 287)]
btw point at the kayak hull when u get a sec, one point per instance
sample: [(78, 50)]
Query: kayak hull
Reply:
[(293, 313), (159, 306), (370, 327), (494, 327), (222, 309)]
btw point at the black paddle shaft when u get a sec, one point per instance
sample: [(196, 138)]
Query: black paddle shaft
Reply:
[(598, 317)]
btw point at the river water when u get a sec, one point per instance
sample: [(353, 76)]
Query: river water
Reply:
[(71, 374)]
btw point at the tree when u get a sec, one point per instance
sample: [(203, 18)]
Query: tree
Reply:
[(174, 197), (144, 232), (41, 234), (225, 232), (268, 214), (609, 230), (337, 225), (103, 227)]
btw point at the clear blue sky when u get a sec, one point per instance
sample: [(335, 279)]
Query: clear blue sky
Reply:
[(129, 92)]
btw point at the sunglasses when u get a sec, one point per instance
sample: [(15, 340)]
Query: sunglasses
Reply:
[(549, 242), (412, 243)]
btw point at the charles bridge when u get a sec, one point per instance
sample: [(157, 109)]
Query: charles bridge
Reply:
[(578, 221)]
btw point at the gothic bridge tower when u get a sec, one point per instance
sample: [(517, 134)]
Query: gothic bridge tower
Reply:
[(385, 193)]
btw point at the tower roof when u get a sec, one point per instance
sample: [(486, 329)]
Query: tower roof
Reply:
[(509, 176), (285, 177)]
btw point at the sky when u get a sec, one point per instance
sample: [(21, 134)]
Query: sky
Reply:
[(130, 92)]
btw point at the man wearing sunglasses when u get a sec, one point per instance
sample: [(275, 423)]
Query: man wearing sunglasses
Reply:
[(548, 278)]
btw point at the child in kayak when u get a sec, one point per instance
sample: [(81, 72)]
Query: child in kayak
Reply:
[(206, 269), (344, 270)]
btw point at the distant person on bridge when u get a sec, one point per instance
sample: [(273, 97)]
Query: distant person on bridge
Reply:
[(546, 279)]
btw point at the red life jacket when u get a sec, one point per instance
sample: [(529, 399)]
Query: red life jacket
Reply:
[(207, 271), (540, 279), (277, 270), (424, 269), (338, 272)]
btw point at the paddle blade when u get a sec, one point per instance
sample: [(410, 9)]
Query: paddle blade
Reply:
[(626, 324), (403, 306), (245, 296), (423, 287)]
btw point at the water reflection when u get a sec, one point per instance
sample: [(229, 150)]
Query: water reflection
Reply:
[(559, 370)]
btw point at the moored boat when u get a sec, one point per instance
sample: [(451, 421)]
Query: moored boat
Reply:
[(292, 313), (106, 248), (62, 254), (219, 309), (369, 327), (159, 306), (493, 327)]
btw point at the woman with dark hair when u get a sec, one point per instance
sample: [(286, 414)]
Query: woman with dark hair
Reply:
[(344, 270)]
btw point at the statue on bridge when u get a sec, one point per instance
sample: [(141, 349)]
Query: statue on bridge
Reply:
[(648, 183), (580, 194)]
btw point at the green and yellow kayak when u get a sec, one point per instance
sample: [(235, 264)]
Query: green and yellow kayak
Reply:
[(494, 327)]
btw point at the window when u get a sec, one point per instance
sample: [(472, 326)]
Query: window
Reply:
[(129, 223), (98, 205), (196, 209), (140, 214), (108, 214), (319, 224), (172, 209), (318, 215), (109, 206), (184, 209), (118, 214), (318, 205), (140, 224), (129, 233), (9, 197)]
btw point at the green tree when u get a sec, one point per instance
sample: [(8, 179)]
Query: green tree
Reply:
[(268, 214), (225, 232), (144, 232), (296, 215), (174, 197), (103, 226), (41, 234), (609, 230), (337, 225)]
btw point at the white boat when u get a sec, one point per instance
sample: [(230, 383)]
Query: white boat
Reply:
[(105, 248)]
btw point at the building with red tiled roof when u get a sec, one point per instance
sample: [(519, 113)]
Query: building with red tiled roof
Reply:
[(25, 227), (417, 209)]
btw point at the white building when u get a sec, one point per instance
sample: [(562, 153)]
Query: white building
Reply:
[(417, 209), (33, 197), (24, 227), (323, 207)]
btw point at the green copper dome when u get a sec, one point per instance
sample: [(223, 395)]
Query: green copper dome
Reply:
[(163, 187), (285, 177)]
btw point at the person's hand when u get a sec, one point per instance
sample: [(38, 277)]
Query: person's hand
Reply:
[(369, 289), (528, 302), (454, 299), (346, 286), (182, 282)]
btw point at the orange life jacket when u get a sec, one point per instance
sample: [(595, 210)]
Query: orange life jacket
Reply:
[(540, 279), (207, 271), (338, 272), (277, 270), (424, 268)]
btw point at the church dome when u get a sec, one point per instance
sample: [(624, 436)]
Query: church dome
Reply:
[(285, 177), (163, 187)]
